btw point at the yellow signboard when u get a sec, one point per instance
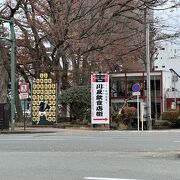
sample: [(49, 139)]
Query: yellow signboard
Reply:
[(43, 100)]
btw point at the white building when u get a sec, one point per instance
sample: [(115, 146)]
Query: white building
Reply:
[(168, 60), (168, 57)]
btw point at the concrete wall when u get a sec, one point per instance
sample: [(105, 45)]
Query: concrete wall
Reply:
[(168, 56)]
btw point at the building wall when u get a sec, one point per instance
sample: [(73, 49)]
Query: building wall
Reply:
[(167, 81), (168, 56), (121, 90), (162, 95)]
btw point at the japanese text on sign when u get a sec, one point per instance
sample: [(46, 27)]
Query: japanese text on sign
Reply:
[(100, 99)]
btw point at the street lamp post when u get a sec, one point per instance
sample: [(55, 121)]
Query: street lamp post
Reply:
[(11, 41)]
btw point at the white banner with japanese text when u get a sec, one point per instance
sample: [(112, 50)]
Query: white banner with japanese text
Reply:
[(99, 98)]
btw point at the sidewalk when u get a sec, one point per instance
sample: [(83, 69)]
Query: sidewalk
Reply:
[(34, 130), (20, 130), (43, 129)]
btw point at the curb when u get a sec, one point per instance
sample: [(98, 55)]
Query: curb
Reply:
[(26, 132)]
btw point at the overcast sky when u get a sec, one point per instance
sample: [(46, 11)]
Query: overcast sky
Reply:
[(169, 19)]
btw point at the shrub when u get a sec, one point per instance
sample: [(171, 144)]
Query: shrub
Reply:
[(114, 125), (129, 112), (171, 115), (178, 121), (124, 120), (78, 97)]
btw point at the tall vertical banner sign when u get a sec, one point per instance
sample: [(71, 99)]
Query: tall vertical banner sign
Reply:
[(99, 99), (43, 101)]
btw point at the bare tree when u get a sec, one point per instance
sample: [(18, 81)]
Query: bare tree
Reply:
[(7, 12), (83, 36), (3, 74)]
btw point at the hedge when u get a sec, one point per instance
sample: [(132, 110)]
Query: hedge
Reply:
[(171, 115)]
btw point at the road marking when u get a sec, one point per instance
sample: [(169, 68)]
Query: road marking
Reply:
[(32, 139), (103, 178), (176, 141)]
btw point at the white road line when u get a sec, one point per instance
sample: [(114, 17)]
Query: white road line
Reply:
[(103, 178), (176, 141), (32, 139)]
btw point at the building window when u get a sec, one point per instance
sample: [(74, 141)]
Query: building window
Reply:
[(163, 66), (118, 87), (155, 85), (121, 87), (156, 67)]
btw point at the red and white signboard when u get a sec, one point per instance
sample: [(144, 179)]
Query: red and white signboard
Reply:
[(99, 99), (24, 90)]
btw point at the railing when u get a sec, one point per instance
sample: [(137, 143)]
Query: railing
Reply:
[(173, 94), (156, 93)]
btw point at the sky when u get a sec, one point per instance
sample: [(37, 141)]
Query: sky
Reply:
[(169, 20)]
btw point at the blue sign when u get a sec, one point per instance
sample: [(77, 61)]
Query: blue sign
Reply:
[(136, 87)]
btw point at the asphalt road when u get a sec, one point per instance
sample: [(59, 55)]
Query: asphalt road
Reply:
[(78, 155)]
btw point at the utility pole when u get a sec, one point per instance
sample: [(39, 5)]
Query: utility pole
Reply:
[(11, 41), (12, 73), (148, 67)]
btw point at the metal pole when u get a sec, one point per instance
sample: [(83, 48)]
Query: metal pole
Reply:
[(155, 95), (24, 115), (174, 94), (148, 79), (12, 74), (142, 114), (138, 110)]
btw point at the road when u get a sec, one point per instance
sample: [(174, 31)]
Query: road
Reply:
[(93, 155)]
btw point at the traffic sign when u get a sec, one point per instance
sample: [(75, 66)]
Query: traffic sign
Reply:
[(136, 93), (24, 90), (136, 87)]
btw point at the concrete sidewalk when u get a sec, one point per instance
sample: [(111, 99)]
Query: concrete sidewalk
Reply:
[(43, 129), (20, 130)]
